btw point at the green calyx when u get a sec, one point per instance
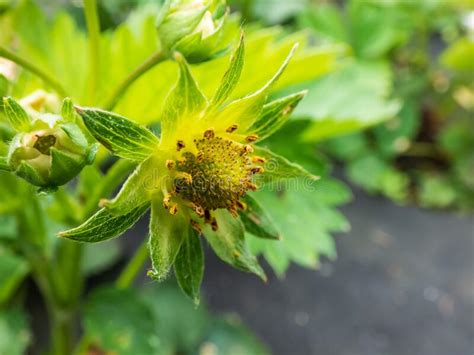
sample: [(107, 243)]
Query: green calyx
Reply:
[(50, 150), (199, 29)]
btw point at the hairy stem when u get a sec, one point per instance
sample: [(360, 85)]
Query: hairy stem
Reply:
[(148, 64), (134, 266), (33, 69), (93, 29)]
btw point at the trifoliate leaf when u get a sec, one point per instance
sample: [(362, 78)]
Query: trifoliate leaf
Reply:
[(166, 236), (135, 191), (121, 136), (17, 116), (189, 265), (185, 101), (257, 220), (275, 114), (228, 242), (231, 76), (279, 168), (103, 225)]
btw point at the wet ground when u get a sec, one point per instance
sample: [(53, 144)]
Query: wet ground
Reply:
[(403, 285)]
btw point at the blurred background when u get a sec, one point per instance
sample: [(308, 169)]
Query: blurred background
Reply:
[(391, 128)]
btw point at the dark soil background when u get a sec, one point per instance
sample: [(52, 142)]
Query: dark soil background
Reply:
[(403, 284)]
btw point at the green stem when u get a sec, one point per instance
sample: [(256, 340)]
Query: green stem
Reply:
[(62, 332), (93, 29), (34, 69), (149, 63), (134, 266)]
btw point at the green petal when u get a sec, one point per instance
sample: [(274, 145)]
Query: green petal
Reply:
[(228, 242), (166, 236), (189, 265), (275, 114), (231, 76), (135, 191), (120, 135), (103, 226), (278, 168), (185, 101), (257, 220), (18, 117)]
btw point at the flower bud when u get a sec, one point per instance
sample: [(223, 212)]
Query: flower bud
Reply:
[(51, 152), (199, 29)]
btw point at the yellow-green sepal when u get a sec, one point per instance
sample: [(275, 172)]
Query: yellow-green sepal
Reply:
[(136, 190), (278, 168), (189, 265), (275, 114), (228, 242), (18, 117), (104, 226), (166, 236), (118, 134)]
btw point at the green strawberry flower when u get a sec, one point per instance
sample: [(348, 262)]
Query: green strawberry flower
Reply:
[(198, 29), (197, 176), (48, 150)]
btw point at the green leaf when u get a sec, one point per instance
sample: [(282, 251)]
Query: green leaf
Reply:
[(228, 242), (104, 225), (275, 114), (135, 191), (185, 100), (181, 326), (67, 110), (302, 243), (118, 134), (231, 76), (119, 322), (15, 335), (13, 270), (230, 336), (167, 233), (350, 99), (18, 117), (189, 265), (277, 168), (257, 220)]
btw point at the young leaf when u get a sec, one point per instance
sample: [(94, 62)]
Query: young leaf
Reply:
[(18, 117), (231, 76), (275, 114), (185, 99), (67, 110), (228, 242), (121, 136), (166, 235), (279, 168), (257, 221), (135, 191), (189, 265), (103, 226)]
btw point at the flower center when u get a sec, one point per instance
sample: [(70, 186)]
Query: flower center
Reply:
[(221, 173)]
